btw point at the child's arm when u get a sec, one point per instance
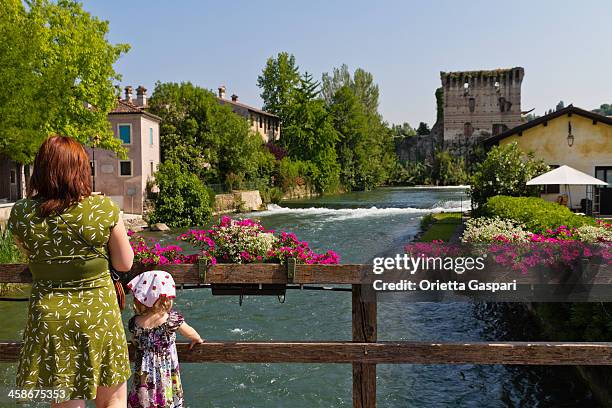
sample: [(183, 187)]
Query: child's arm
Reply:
[(189, 332)]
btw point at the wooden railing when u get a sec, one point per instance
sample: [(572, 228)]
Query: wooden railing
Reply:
[(363, 352)]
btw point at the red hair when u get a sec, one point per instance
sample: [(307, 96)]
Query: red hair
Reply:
[(61, 175)]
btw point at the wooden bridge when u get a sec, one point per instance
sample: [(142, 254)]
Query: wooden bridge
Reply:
[(363, 351)]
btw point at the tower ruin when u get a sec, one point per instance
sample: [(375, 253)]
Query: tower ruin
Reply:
[(479, 104)]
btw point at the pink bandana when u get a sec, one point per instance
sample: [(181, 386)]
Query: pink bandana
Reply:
[(149, 286)]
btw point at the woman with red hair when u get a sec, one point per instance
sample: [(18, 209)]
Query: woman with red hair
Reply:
[(74, 340)]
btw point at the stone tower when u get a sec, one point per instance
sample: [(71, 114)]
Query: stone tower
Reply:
[(478, 104)]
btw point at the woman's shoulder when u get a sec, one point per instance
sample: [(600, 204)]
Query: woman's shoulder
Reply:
[(22, 208), (100, 200)]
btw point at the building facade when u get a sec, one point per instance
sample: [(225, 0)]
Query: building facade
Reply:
[(262, 122), (479, 104), (125, 180), (575, 137)]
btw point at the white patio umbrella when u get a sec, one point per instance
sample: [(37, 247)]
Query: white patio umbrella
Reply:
[(568, 176)]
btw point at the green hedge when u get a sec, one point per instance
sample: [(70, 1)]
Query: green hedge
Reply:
[(535, 213)]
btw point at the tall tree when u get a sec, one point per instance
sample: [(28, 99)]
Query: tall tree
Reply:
[(279, 79), (201, 134), (56, 71), (309, 134), (361, 83), (423, 129)]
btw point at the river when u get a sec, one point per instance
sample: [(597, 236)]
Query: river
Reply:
[(358, 226)]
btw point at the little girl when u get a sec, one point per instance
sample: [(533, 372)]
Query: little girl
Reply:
[(156, 382)]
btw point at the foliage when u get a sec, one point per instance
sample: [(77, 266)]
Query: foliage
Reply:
[(604, 109), (9, 253), (205, 136), (276, 150), (505, 171), (183, 199), (308, 134), (423, 129), (55, 61), (246, 241), (535, 213), (448, 170), (403, 130), (439, 104), (365, 147), (413, 173), (361, 84), (489, 230), (278, 81)]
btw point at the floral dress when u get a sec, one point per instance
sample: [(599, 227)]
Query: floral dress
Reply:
[(156, 382)]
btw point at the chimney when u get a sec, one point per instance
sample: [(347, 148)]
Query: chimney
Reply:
[(128, 94), (222, 92), (234, 98), (141, 96)]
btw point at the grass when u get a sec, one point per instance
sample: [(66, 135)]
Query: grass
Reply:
[(439, 226), (9, 253)]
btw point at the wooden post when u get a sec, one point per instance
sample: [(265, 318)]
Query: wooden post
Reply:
[(364, 331)]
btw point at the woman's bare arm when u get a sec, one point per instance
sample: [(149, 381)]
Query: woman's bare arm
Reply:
[(121, 254)]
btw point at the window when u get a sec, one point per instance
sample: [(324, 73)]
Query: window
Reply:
[(472, 104), (13, 177), (125, 133), (260, 122), (125, 167), (151, 136), (499, 128), (468, 129), (152, 168), (92, 166), (551, 188)]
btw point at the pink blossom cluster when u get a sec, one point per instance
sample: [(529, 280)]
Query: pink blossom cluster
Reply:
[(152, 253), (231, 241)]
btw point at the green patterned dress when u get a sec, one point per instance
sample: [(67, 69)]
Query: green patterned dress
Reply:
[(74, 338)]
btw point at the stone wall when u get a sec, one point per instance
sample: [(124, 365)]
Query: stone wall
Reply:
[(481, 102), (297, 192), (244, 200), (5, 211)]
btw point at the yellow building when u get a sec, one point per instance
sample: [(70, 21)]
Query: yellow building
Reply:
[(575, 137)]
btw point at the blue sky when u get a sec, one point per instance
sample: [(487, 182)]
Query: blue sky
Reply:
[(564, 46)]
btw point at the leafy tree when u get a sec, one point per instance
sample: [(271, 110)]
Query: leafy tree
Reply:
[(310, 136), (278, 81), (361, 83), (205, 136), (560, 105), (365, 148), (403, 130), (182, 200), (505, 171), (449, 170), (604, 109), (56, 71), (423, 129)]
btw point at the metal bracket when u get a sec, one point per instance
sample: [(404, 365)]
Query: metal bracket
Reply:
[(203, 266), (291, 264)]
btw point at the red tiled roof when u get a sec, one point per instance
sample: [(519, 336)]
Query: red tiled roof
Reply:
[(252, 109), (124, 107)]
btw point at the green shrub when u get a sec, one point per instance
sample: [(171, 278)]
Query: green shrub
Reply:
[(533, 212), (9, 253), (505, 171), (183, 199)]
